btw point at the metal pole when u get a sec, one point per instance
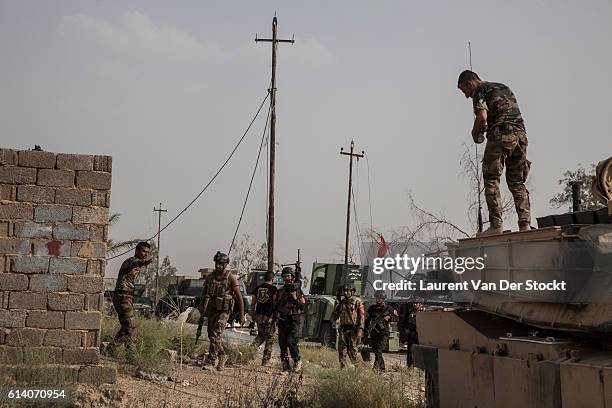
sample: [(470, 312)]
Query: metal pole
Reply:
[(272, 153), (159, 211), (272, 91), (348, 206)]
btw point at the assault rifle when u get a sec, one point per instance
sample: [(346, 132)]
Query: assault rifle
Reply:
[(376, 323)]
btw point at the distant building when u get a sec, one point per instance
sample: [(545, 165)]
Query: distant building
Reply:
[(204, 272)]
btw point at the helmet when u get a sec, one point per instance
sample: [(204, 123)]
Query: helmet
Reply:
[(221, 257), (348, 286), (380, 295), (288, 269)]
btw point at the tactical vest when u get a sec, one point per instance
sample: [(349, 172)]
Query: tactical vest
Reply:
[(286, 306), (218, 292), (349, 309)]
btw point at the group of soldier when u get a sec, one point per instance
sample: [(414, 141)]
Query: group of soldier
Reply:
[(274, 310), (496, 114)]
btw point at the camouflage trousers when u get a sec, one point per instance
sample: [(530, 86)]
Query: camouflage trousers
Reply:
[(509, 150), (266, 333), (215, 326), (347, 343), (124, 307)]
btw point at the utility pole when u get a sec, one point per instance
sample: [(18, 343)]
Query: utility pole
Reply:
[(159, 212), (350, 187), (272, 142), (479, 222)]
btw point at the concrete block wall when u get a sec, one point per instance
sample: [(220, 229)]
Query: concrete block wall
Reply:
[(54, 211)]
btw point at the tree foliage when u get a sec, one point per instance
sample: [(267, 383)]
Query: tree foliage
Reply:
[(167, 273), (246, 255), (585, 178)]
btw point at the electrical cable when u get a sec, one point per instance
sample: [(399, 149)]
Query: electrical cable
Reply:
[(208, 184), (246, 199), (369, 193)]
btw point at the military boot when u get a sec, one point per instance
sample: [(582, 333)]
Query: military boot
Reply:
[(524, 227), (222, 361), (492, 230), (297, 366), (209, 363), (265, 361), (286, 365)]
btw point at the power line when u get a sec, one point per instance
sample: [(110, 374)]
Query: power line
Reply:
[(246, 199), (369, 193), (208, 184)]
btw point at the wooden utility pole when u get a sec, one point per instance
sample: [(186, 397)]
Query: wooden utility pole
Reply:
[(350, 189), (159, 212), (272, 142)]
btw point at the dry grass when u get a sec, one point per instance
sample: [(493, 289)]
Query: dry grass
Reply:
[(361, 386)]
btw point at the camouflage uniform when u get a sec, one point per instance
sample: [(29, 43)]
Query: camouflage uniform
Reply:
[(506, 145), (123, 299), (218, 289), (290, 314), (264, 317), (350, 313)]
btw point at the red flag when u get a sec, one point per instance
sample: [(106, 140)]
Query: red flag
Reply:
[(382, 249)]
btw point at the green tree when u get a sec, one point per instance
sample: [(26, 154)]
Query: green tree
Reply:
[(585, 178)]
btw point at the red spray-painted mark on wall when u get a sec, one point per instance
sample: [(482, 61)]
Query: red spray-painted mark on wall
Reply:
[(53, 247)]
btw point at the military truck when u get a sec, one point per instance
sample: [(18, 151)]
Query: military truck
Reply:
[(325, 283), (513, 347)]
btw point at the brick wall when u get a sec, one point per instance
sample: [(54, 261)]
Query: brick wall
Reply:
[(53, 232)]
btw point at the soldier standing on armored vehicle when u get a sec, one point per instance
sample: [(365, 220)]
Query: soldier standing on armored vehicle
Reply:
[(497, 112), (123, 297), (290, 305), (262, 310), (350, 312), (217, 303), (377, 327)]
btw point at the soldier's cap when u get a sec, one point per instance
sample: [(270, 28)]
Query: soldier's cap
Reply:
[(287, 269), (348, 286), (221, 257)]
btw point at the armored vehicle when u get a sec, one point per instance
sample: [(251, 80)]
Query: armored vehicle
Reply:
[(326, 280), (546, 344)]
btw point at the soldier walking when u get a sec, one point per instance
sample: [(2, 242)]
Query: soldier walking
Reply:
[(377, 327), (217, 304), (350, 312), (497, 112), (123, 297), (290, 305), (262, 310)]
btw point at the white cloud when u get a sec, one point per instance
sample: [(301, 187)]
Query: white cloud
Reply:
[(136, 35)]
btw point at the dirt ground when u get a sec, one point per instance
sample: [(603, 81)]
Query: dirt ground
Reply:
[(193, 387)]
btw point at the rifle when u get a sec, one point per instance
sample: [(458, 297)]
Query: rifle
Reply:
[(374, 323), (298, 269), (201, 320)]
